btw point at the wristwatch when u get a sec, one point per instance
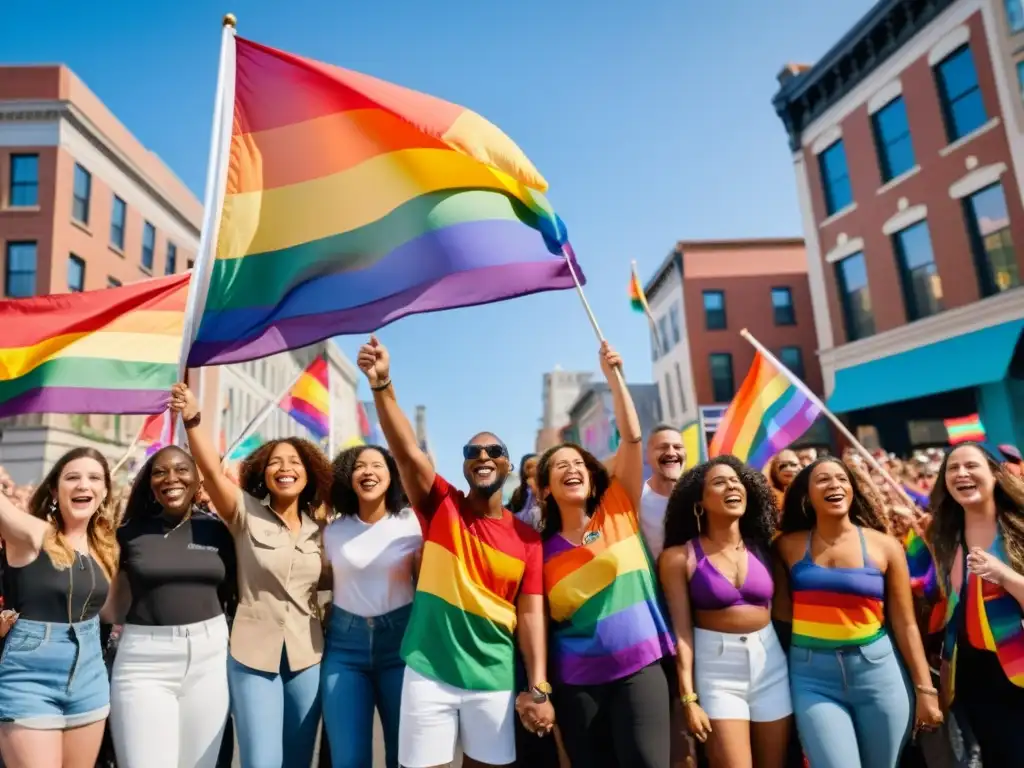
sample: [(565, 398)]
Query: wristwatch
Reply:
[(540, 692)]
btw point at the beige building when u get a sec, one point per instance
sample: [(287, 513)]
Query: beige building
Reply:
[(85, 206)]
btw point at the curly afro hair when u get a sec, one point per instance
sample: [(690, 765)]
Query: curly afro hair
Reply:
[(799, 515), (343, 496), (757, 526), (319, 476)]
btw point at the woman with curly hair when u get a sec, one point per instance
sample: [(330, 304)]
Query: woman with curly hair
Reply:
[(372, 549), (169, 684), (716, 576), (977, 536), (276, 517), (608, 633), (842, 581), (61, 556)]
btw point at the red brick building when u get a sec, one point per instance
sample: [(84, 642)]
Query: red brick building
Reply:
[(907, 150)]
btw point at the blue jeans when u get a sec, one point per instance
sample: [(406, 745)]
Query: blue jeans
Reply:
[(276, 716), (361, 670), (853, 707)]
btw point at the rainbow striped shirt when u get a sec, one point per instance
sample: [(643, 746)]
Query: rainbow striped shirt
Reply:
[(836, 608), (607, 621)]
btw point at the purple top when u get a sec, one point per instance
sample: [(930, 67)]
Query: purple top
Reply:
[(711, 591)]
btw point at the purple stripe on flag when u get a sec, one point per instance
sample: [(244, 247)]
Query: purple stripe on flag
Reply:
[(84, 400)]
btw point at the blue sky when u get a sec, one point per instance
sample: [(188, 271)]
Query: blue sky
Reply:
[(651, 120)]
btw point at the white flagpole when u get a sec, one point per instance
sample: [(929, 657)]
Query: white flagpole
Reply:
[(566, 254), (262, 416), (830, 416), (213, 198)]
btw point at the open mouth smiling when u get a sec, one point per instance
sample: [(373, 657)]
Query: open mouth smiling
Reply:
[(368, 483)]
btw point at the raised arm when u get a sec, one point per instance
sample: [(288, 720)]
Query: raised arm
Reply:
[(223, 493), (414, 466), (22, 533), (628, 466)]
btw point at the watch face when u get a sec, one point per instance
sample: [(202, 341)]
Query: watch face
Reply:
[(539, 697)]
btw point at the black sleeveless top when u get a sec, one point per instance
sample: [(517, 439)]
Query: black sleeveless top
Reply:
[(41, 592)]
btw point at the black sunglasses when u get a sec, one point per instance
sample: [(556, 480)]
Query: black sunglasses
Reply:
[(472, 451)]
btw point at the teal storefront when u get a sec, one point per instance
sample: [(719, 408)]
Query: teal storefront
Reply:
[(907, 395)]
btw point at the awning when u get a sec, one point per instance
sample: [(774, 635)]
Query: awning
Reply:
[(969, 360)]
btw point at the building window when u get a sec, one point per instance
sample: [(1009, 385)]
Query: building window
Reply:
[(1014, 14), (722, 385), (988, 224), (82, 193), (714, 310), (922, 288), (191, 263), (962, 106), (673, 314), (148, 245), (835, 178), (892, 139), (782, 306), (663, 333), (76, 274), (793, 358), (682, 395), (669, 398), (852, 280), (118, 214), (113, 282), (24, 190), (172, 259), (655, 352), (20, 280)]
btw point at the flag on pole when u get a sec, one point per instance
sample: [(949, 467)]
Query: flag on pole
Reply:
[(113, 350), (351, 202), (244, 448), (965, 429), (638, 301), (309, 399), (695, 443), (157, 431), (768, 413)]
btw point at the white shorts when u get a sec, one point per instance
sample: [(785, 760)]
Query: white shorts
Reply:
[(741, 677), (435, 714)]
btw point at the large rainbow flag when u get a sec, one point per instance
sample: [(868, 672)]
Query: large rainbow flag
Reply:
[(309, 400), (767, 414), (113, 350), (352, 202)]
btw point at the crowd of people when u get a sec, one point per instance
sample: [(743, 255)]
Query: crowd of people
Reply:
[(725, 615)]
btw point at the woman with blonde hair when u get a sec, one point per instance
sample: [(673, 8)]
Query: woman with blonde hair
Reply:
[(60, 557)]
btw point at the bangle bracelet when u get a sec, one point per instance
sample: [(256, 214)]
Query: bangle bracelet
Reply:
[(382, 387), (689, 698), (927, 690)]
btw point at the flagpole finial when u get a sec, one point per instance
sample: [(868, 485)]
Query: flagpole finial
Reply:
[(230, 20)]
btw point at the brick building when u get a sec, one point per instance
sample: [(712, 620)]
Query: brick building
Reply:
[(702, 296), (906, 141), (85, 206)]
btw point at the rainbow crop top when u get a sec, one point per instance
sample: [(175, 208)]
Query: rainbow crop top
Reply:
[(836, 608)]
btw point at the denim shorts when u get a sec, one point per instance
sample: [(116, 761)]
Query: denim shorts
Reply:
[(52, 676)]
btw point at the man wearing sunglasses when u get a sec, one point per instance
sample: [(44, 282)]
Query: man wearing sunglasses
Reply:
[(480, 584)]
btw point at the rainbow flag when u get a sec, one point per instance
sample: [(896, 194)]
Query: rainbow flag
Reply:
[(244, 448), (637, 297), (768, 413), (695, 443), (923, 578), (157, 431), (113, 350), (309, 400), (352, 202), (965, 429)]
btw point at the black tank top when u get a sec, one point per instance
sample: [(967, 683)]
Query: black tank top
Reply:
[(40, 592)]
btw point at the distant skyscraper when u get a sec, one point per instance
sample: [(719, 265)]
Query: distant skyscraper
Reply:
[(560, 390)]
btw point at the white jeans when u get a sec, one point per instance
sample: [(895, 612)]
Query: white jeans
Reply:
[(169, 695)]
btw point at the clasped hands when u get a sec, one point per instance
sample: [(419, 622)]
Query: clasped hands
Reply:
[(537, 717)]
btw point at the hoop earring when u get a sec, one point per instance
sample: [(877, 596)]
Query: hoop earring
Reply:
[(697, 515), (803, 506)]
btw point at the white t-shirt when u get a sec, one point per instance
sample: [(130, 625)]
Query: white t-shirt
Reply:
[(373, 564), (652, 519)]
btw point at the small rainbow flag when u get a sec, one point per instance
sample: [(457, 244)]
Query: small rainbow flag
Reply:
[(768, 413), (309, 401), (157, 431), (113, 350), (246, 447), (352, 202), (965, 429), (695, 443), (921, 564), (637, 298)]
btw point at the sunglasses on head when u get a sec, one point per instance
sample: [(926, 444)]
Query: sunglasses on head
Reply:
[(472, 451)]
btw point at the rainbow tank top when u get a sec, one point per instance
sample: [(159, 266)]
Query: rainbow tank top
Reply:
[(835, 608)]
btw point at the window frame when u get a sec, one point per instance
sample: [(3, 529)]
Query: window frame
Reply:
[(883, 145), (790, 320), (148, 229), (74, 259), (983, 266), (727, 357), (10, 273), (171, 261), (13, 185), (113, 282), (828, 183), (84, 202), (802, 372), (115, 227), (1014, 11), (913, 312), (708, 314), (946, 103), (845, 306)]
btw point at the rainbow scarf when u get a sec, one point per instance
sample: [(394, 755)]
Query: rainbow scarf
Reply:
[(995, 621)]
